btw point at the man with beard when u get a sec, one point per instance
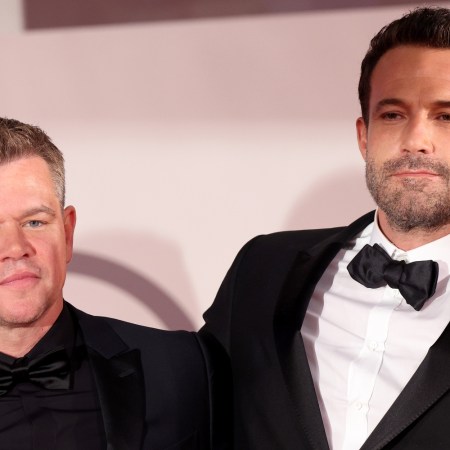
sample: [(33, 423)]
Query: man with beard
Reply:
[(339, 338)]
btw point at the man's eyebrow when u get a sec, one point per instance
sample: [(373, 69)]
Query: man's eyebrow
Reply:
[(398, 102), (39, 209), (442, 103), (389, 102)]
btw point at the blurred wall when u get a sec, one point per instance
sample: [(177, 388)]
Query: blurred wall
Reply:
[(185, 139)]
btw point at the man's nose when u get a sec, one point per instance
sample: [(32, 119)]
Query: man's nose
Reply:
[(14, 244), (417, 136)]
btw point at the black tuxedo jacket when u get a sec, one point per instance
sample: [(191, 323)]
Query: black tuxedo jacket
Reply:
[(153, 385), (256, 318)]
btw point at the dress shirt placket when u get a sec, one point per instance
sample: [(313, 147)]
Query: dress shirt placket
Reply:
[(364, 369)]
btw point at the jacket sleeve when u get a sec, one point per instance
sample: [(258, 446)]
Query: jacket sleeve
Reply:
[(215, 341), (218, 318)]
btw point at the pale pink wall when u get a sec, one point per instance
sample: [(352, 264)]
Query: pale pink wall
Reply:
[(183, 140)]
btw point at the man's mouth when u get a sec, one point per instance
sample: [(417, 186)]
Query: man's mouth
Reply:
[(19, 279), (415, 173)]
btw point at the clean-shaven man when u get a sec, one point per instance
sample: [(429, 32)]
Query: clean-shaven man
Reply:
[(69, 380)]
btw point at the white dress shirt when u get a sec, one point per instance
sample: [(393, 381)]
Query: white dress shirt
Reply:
[(363, 345)]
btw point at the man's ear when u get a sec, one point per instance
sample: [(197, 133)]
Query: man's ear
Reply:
[(70, 219), (361, 131)]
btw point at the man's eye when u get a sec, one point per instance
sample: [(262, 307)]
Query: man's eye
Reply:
[(444, 117), (391, 116), (34, 223)]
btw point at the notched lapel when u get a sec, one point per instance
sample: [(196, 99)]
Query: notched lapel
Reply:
[(121, 390), (119, 379), (307, 270)]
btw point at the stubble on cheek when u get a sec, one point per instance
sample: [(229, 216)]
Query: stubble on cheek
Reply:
[(410, 203)]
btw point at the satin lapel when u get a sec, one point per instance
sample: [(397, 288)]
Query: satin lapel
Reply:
[(429, 383), (120, 383), (291, 307), (120, 389)]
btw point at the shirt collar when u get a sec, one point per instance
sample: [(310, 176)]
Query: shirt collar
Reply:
[(438, 250), (61, 334)]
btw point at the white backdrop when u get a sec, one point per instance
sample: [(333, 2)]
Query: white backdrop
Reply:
[(185, 139)]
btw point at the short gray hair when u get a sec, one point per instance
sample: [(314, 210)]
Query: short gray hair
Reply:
[(20, 140)]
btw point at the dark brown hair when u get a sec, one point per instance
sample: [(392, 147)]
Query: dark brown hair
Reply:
[(424, 27)]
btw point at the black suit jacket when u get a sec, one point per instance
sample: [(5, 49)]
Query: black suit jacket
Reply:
[(153, 385), (256, 318)]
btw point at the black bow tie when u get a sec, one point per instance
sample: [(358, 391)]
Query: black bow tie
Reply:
[(416, 281), (51, 371)]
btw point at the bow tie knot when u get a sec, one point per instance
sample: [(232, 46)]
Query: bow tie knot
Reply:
[(416, 281), (19, 372), (394, 272)]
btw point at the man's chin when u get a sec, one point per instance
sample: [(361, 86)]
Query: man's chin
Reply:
[(19, 320), (21, 314), (416, 216)]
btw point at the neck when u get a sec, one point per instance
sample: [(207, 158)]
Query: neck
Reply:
[(17, 340), (409, 240)]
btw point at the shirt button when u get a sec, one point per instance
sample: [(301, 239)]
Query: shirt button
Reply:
[(358, 405), (373, 345)]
